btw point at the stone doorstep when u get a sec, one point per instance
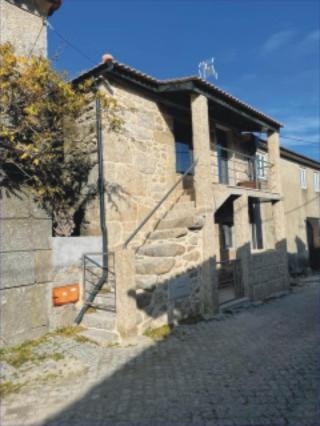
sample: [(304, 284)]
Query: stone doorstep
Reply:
[(234, 303)]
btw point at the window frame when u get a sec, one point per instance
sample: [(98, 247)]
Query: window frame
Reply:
[(316, 181), (303, 178), (261, 157), (257, 228)]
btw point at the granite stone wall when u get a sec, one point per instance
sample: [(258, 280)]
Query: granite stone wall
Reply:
[(268, 272), (25, 269), (139, 164), (23, 27)]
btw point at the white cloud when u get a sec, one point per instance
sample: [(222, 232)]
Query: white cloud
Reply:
[(309, 44), (305, 129), (278, 40), (303, 124)]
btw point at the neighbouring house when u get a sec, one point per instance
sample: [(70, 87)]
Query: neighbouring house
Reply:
[(300, 178), (197, 210)]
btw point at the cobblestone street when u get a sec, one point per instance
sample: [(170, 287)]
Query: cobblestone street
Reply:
[(258, 367)]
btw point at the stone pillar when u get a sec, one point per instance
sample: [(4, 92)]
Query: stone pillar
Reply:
[(209, 277), (201, 151), (126, 306), (274, 177), (243, 239), (204, 203), (278, 213)]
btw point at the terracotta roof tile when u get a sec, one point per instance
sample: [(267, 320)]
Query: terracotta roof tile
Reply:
[(118, 66)]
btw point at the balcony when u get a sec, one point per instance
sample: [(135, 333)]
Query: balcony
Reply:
[(236, 169)]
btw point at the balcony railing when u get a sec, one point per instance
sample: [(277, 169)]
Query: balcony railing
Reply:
[(238, 169)]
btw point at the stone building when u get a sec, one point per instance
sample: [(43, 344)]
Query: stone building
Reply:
[(25, 231), (220, 233), (300, 178), (196, 209)]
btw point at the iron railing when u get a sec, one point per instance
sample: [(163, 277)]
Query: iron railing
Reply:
[(239, 169), (94, 296), (230, 277), (158, 205)]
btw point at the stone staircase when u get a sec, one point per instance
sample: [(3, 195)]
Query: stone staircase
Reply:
[(166, 261), (99, 320), (156, 259)]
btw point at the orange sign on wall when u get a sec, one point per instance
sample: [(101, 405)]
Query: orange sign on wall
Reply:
[(66, 294)]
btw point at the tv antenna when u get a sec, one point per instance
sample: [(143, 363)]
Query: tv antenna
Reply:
[(206, 69)]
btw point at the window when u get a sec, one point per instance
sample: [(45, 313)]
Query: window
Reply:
[(222, 143), (183, 141), (256, 224), (183, 157), (261, 166), (226, 236), (303, 178), (316, 181)]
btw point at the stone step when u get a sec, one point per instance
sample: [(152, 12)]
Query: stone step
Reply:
[(168, 233), (101, 337), (105, 299), (105, 302), (178, 213), (178, 222), (162, 249), (102, 320), (183, 205), (146, 282), (154, 265)]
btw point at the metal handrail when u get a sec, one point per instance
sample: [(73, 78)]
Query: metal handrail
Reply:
[(163, 199), (251, 157)]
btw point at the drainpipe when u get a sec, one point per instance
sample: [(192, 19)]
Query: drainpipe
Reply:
[(103, 227)]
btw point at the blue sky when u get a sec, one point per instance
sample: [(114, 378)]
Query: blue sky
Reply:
[(267, 53)]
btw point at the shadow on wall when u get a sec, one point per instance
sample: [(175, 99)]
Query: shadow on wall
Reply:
[(299, 260), (164, 384), (264, 272)]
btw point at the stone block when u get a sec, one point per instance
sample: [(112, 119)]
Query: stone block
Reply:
[(42, 234), (37, 212), (16, 234), (165, 138), (179, 287), (157, 266), (62, 316), (17, 269), (43, 266), (146, 282), (14, 207), (166, 249), (24, 313)]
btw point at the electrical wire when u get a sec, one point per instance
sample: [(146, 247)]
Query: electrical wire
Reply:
[(37, 38), (70, 44), (299, 140)]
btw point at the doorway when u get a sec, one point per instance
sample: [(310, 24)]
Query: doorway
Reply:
[(313, 241)]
